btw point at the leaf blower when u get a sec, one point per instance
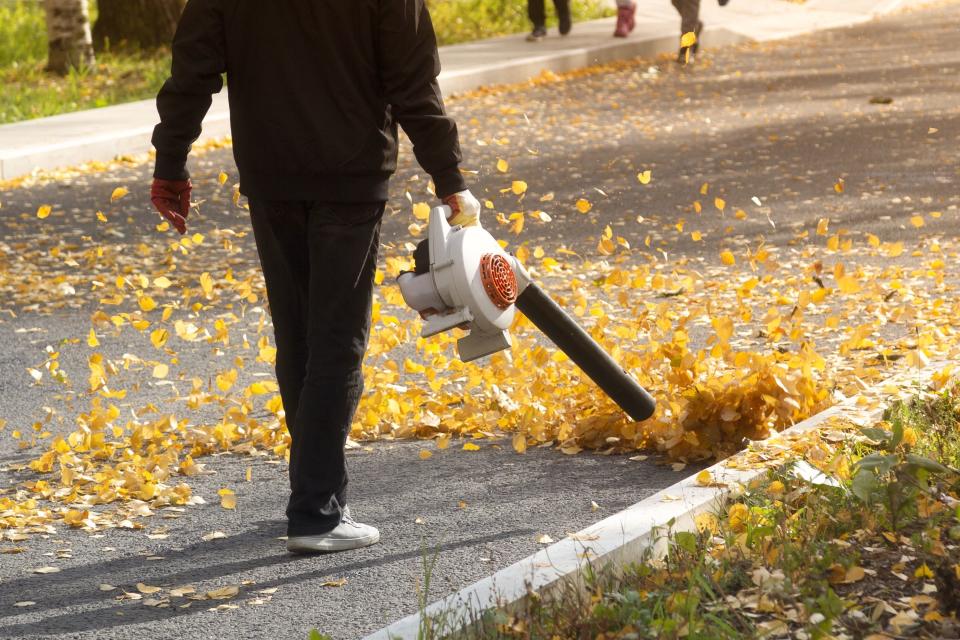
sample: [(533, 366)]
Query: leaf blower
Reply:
[(463, 278)]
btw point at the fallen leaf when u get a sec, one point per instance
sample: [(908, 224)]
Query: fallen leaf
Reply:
[(47, 570)]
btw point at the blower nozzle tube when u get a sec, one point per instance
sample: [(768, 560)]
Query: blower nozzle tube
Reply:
[(583, 350)]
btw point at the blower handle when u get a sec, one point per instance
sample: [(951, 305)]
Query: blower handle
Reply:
[(583, 350)]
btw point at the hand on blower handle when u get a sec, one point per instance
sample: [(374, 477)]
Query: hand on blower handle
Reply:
[(172, 199), (465, 209)]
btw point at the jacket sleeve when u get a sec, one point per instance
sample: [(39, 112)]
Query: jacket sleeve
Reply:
[(198, 61), (409, 66)]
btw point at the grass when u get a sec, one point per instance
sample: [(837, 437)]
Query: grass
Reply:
[(29, 92), (875, 554)]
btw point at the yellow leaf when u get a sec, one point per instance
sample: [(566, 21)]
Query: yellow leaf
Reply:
[(421, 211), (470, 447), (726, 257), (228, 499), (519, 442), (688, 39), (92, 339), (923, 571), (206, 283), (704, 188), (163, 226), (720, 203), (502, 165), (519, 187), (644, 176), (848, 284), (226, 380), (163, 282), (101, 217), (893, 249), (822, 226), (223, 593), (705, 478), (159, 337), (583, 206), (696, 236), (838, 186), (222, 178), (118, 193), (776, 488), (738, 515), (160, 371), (147, 303), (334, 583), (873, 240), (425, 454), (917, 221), (146, 589), (854, 574), (44, 211)]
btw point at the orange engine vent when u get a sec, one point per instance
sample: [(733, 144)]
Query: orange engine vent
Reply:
[(498, 280)]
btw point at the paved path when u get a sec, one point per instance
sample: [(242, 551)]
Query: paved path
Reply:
[(779, 121), (102, 134)]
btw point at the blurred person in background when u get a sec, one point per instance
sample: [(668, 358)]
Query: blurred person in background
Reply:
[(690, 22), (538, 16), (626, 10)]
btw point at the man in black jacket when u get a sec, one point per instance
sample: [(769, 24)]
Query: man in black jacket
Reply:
[(316, 90)]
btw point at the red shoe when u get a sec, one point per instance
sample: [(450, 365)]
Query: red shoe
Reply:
[(625, 21)]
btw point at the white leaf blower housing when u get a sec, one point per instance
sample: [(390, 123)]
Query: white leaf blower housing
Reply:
[(472, 284)]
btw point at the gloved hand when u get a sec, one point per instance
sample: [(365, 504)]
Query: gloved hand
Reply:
[(172, 199), (465, 209)]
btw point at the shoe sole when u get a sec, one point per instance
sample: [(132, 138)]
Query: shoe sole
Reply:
[(332, 546)]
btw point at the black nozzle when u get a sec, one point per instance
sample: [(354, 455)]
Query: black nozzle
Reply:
[(583, 350)]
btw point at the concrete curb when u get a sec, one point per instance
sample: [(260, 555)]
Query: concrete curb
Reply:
[(625, 537)]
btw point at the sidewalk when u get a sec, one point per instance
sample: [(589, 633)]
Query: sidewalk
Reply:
[(102, 134)]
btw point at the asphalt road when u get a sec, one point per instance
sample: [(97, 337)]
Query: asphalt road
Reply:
[(875, 105)]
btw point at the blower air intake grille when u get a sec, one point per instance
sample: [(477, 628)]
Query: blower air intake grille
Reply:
[(498, 280)]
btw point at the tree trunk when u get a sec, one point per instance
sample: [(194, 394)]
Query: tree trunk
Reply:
[(68, 35), (141, 24)]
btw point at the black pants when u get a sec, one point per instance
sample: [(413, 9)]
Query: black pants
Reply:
[(538, 13), (318, 263)]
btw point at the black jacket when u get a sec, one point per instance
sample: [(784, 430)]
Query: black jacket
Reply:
[(316, 89)]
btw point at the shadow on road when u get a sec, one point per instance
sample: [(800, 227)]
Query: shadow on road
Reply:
[(195, 563)]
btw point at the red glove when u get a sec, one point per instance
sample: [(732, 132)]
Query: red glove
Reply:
[(172, 199)]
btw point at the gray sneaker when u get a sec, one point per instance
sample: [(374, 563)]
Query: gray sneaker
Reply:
[(349, 534)]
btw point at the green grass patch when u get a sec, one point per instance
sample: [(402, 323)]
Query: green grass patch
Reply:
[(873, 552), (29, 92)]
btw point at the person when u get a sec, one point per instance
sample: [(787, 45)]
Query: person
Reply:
[(538, 16), (690, 22), (316, 92), (626, 12)]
